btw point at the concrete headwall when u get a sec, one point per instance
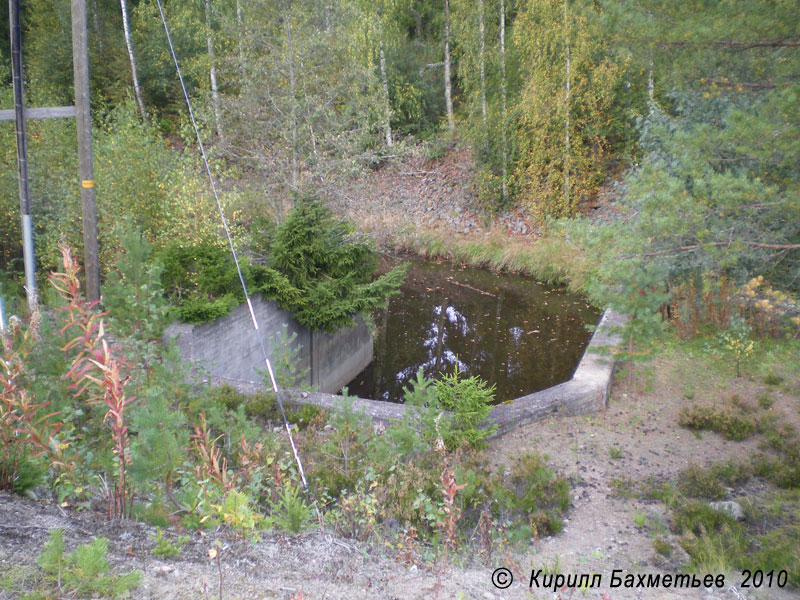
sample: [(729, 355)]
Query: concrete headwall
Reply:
[(228, 348)]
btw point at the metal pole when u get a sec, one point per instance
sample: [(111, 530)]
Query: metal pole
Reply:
[(22, 156), (80, 64)]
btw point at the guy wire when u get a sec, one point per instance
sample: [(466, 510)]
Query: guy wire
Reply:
[(233, 250)]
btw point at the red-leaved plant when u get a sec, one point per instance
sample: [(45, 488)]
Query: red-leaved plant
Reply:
[(96, 373), (24, 429), (212, 466)]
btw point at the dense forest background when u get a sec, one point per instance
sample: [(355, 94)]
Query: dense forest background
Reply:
[(691, 107)]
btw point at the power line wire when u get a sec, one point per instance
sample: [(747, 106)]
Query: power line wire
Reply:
[(233, 250)]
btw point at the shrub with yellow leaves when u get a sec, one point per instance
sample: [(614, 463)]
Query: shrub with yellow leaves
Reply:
[(770, 311)]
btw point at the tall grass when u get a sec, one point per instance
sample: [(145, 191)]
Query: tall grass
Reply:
[(550, 259)]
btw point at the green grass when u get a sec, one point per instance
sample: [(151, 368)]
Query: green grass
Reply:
[(549, 259), (662, 546), (640, 518)]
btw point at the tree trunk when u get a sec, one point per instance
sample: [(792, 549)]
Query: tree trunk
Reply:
[(651, 106), (503, 99), (387, 105), (126, 30), (97, 26), (292, 97), (212, 73), (448, 86), (567, 90), (482, 58), (239, 35)]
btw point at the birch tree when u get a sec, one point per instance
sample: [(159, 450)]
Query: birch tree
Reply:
[(448, 82), (503, 103), (126, 29), (374, 29), (304, 109), (212, 73), (563, 107)]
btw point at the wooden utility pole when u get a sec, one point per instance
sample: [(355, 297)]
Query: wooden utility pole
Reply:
[(83, 120)]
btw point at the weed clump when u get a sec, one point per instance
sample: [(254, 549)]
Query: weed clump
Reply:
[(766, 401), (662, 546), (784, 470), (720, 420), (712, 483), (697, 482), (700, 519), (539, 493)]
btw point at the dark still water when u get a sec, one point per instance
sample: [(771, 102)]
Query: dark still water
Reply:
[(512, 331)]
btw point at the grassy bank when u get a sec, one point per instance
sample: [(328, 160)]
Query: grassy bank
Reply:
[(550, 259)]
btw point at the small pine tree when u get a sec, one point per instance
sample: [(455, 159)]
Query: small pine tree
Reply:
[(133, 293), (285, 359), (159, 447), (83, 572)]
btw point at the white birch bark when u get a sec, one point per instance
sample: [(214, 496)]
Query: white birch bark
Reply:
[(126, 30), (292, 96), (240, 35), (212, 73), (503, 99), (482, 59), (98, 28), (387, 126), (567, 89), (448, 85)]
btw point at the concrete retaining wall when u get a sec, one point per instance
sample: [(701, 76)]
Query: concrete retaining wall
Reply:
[(228, 348), (587, 390)]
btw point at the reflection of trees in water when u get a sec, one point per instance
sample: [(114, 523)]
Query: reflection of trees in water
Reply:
[(522, 338), (446, 328)]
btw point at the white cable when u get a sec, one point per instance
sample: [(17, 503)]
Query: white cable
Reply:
[(233, 250)]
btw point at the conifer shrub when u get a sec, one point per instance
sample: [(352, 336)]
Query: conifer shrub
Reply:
[(317, 269), (166, 548), (469, 399), (321, 272), (697, 482), (452, 408), (159, 449), (133, 291), (201, 280)]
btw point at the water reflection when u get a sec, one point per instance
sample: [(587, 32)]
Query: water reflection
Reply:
[(519, 334)]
